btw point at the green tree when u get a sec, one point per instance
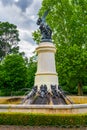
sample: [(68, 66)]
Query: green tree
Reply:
[(68, 20), (31, 68), (15, 72), (2, 76), (9, 38)]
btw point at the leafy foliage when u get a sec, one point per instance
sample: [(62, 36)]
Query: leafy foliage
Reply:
[(9, 38), (15, 72), (61, 120), (31, 69), (2, 75)]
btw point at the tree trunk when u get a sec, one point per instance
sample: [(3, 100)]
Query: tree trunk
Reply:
[(80, 90)]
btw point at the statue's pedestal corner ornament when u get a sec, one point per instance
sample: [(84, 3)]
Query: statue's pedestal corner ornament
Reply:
[(46, 88)]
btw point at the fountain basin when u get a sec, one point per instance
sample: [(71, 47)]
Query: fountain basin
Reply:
[(46, 109)]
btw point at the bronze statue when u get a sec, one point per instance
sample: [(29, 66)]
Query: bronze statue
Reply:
[(45, 30)]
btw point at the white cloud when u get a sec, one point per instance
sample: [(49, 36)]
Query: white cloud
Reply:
[(25, 21), (29, 48), (16, 0)]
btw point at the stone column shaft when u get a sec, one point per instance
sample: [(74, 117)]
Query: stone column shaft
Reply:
[(46, 70)]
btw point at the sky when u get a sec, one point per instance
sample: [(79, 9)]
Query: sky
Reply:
[(22, 13)]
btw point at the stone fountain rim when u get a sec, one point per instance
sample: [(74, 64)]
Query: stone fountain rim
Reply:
[(20, 106)]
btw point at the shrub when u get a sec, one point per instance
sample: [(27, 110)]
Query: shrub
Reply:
[(59, 120)]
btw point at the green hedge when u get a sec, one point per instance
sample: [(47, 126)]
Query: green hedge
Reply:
[(76, 120)]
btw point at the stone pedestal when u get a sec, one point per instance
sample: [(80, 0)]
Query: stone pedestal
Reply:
[(46, 70)]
